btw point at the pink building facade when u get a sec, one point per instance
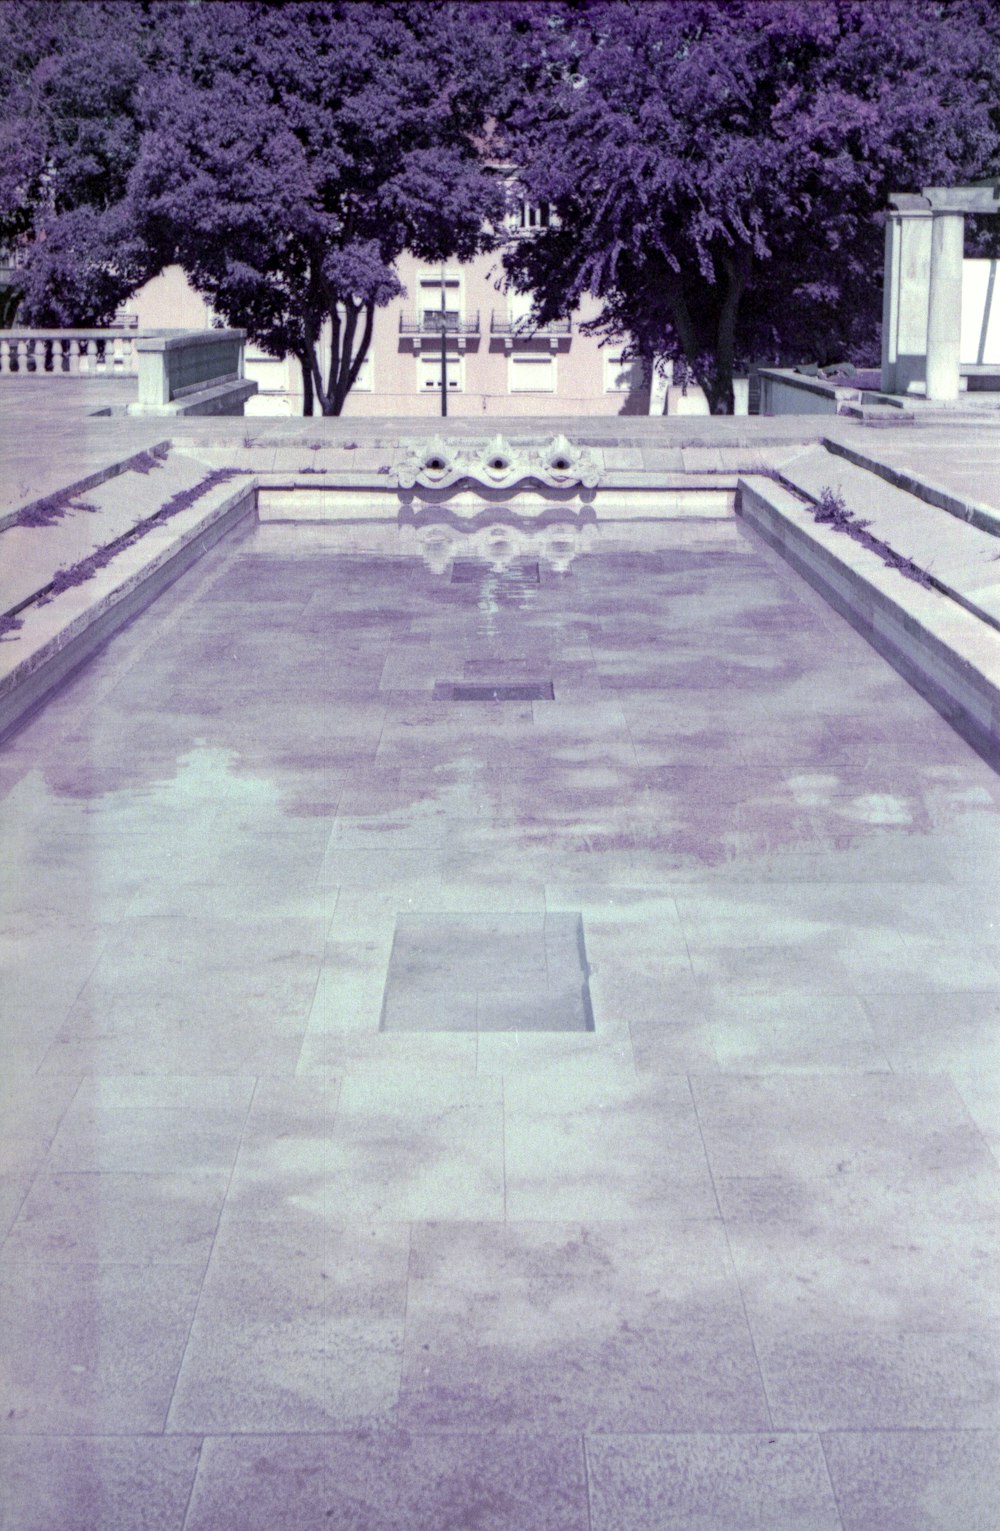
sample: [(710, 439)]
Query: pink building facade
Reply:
[(494, 364)]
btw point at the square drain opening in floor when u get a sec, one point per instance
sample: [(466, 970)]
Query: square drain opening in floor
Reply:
[(487, 972), (494, 691)]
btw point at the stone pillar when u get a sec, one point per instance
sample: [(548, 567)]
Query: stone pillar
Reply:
[(944, 309), (154, 370), (905, 290)]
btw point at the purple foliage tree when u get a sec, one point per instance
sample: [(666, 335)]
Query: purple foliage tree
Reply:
[(70, 78), (294, 151), (718, 167)]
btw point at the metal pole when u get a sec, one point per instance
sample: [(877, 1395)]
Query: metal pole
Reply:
[(444, 350)]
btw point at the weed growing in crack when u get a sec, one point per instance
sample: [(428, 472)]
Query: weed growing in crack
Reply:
[(78, 573), (830, 510), (145, 462), (52, 509)]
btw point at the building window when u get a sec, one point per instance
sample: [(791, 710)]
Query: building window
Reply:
[(533, 215), (531, 374), (519, 311), (429, 285), (429, 373), (621, 376)]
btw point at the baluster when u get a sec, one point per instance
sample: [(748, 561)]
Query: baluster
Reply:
[(5, 357), (21, 356)]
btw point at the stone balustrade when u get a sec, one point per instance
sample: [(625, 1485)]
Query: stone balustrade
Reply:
[(72, 353), (179, 372)]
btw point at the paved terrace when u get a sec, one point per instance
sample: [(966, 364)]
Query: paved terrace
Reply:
[(299, 1233)]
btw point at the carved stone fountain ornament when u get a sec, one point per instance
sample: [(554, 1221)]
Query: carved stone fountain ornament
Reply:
[(438, 464)]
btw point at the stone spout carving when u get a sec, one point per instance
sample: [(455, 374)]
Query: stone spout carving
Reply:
[(438, 464), (562, 464), (433, 464)]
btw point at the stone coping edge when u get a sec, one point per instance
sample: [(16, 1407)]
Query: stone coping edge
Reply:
[(81, 485), (951, 657), (974, 511), (73, 625), (184, 340), (226, 398)]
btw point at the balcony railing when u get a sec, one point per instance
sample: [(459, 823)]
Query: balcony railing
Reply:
[(77, 353), (430, 322), (522, 330)]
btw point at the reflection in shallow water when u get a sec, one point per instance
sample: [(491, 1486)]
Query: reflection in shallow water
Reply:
[(501, 544)]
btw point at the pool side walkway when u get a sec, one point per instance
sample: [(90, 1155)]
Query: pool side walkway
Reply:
[(306, 1223)]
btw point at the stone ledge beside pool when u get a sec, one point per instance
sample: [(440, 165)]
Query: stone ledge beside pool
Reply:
[(57, 637), (948, 654)]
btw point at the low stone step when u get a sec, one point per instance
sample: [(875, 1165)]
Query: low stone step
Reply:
[(951, 655), (55, 638), (963, 559), (964, 507), (31, 554)]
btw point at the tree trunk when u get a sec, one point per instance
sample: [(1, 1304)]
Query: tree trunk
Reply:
[(308, 397), (346, 356), (737, 269), (714, 375), (342, 345)]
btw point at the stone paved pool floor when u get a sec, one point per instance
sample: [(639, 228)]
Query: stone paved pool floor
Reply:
[(728, 1260)]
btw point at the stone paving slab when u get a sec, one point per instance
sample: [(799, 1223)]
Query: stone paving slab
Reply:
[(49, 438)]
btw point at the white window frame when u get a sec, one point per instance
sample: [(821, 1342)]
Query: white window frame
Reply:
[(530, 217), (546, 363), (429, 361), (454, 283), (615, 369), (519, 310)]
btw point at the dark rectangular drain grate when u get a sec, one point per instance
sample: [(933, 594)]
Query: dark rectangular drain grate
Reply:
[(470, 571), (494, 691)]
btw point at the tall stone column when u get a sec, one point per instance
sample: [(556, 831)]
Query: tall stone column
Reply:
[(904, 293), (944, 310)]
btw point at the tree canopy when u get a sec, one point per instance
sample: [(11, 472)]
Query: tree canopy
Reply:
[(70, 129), (294, 151), (718, 167)]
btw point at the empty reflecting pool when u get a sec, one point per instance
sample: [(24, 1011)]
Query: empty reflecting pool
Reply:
[(501, 1031)]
